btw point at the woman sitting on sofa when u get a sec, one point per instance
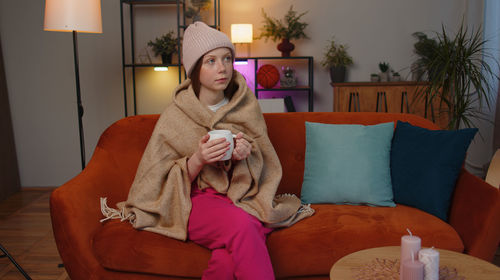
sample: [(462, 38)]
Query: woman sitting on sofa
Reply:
[(183, 190)]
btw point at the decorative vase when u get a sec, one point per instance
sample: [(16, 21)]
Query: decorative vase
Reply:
[(384, 76), (337, 74), (166, 58), (285, 47)]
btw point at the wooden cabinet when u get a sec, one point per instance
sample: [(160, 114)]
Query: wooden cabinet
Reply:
[(391, 97)]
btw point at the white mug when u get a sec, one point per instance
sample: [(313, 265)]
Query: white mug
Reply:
[(216, 134)]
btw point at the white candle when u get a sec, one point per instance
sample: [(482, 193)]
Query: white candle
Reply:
[(430, 258), (409, 243)]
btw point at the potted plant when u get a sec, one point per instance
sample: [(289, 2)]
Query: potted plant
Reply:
[(395, 76), (458, 75), (290, 27), (336, 59), (374, 77), (384, 71), (164, 46), (194, 11)]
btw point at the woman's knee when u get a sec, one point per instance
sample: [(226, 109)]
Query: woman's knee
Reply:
[(245, 224)]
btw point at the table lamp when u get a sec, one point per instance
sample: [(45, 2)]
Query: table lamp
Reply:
[(74, 16), (242, 34)]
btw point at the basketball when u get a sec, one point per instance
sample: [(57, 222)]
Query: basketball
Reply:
[(268, 76)]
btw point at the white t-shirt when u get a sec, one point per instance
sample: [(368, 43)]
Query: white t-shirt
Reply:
[(218, 105)]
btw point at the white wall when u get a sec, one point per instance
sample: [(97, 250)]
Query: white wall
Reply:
[(40, 78)]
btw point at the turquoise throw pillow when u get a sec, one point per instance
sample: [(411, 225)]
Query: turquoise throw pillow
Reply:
[(425, 165), (348, 164)]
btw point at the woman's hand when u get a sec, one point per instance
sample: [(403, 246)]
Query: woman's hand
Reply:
[(211, 151), (242, 148), (208, 152)]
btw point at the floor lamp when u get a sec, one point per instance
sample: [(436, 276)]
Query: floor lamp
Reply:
[(74, 16)]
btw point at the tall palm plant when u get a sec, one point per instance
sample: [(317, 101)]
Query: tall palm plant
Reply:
[(457, 73)]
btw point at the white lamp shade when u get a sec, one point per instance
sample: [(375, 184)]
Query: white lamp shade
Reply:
[(241, 33), (73, 15)]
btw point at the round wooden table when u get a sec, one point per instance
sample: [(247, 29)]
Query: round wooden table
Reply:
[(383, 263)]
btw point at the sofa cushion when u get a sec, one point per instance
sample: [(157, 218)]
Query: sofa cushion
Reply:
[(118, 246), (310, 247), (348, 164), (425, 165), (314, 244)]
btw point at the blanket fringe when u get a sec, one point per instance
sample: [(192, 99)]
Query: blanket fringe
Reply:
[(306, 209), (279, 196), (111, 213)]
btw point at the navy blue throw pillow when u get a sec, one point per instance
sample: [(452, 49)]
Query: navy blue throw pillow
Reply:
[(425, 165)]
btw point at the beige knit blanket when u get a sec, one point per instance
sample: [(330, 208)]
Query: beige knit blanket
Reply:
[(159, 199)]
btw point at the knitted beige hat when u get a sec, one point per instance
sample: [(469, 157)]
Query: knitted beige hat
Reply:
[(199, 39)]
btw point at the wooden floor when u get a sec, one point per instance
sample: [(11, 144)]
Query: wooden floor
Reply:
[(26, 232)]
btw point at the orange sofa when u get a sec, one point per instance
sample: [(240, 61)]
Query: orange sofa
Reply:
[(114, 250)]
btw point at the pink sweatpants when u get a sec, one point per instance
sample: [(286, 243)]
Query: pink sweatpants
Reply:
[(236, 238)]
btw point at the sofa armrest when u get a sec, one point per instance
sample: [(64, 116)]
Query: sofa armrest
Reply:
[(75, 212), (475, 215)]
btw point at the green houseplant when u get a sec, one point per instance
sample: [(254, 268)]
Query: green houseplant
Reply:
[(290, 27), (457, 74), (384, 71), (164, 46), (336, 59)]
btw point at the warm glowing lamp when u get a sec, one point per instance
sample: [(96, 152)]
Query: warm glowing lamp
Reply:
[(161, 68), (242, 34), (74, 16)]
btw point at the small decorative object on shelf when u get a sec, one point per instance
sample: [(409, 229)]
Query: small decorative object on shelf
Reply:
[(395, 77), (384, 71), (374, 78), (268, 76), (164, 46), (287, 29), (336, 59), (288, 79)]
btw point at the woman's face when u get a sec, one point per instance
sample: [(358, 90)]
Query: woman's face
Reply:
[(216, 70)]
